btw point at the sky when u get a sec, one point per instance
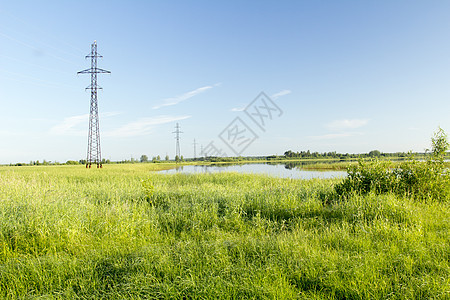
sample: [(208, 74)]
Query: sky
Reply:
[(240, 77)]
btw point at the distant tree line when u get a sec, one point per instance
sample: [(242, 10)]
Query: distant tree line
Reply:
[(374, 153), (288, 155)]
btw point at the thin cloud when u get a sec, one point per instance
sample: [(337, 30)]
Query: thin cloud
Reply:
[(332, 136), (281, 93), (109, 114), (346, 124), (185, 96), (274, 96), (6, 133), (36, 51), (238, 108), (69, 126), (143, 126)]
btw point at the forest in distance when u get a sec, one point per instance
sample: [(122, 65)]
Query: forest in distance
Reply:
[(288, 155)]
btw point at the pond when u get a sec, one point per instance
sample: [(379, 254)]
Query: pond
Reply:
[(275, 170)]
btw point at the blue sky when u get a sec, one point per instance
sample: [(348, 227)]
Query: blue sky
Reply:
[(348, 76)]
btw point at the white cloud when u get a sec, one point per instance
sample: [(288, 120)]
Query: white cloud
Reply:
[(109, 114), (346, 124), (185, 96), (331, 136), (238, 108), (281, 93), (77, 125), (273, 97), (69, 126), (6, 133), (143, 126)]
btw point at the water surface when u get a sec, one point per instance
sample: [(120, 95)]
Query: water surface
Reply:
[(275, 170)]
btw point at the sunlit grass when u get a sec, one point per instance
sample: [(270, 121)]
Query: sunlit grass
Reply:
[(68, 232)]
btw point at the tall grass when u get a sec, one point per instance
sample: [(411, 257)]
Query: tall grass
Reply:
[(126, 232)]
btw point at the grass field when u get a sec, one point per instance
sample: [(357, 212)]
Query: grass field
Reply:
[(68, 232)]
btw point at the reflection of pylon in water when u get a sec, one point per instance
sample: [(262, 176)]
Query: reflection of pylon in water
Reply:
[(94, 154)]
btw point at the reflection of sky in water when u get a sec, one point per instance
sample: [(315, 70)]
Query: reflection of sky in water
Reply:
[(272, 170)]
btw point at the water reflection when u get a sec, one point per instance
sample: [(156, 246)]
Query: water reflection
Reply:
[(299, 164), (284, 170)]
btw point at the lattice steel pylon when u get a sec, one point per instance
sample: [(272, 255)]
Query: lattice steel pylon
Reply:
[(195, 149), (177, 137), (94, 154)]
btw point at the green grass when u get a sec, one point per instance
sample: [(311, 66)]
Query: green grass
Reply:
[(68, 232)]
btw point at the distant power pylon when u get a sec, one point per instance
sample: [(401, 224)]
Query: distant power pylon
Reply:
[(177, 137), (195, 152), (94, 154)]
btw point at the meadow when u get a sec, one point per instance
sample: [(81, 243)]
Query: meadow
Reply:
[(126, 232)]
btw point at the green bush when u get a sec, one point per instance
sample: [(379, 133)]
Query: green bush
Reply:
[(374, 175), (428, 179)]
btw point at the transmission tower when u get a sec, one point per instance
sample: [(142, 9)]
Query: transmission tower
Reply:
[(195, 152), (94, 154), (177, 137)]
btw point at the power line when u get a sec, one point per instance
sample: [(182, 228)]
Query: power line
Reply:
[(94, 154)]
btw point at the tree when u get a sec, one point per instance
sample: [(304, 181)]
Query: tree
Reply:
[(144, 158), (177, 159), (158, 158), (167, 157), (374, 153), (439, 145), (288, 153)]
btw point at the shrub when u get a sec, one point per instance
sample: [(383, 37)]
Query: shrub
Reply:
[(427, 179), (374, 175)]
